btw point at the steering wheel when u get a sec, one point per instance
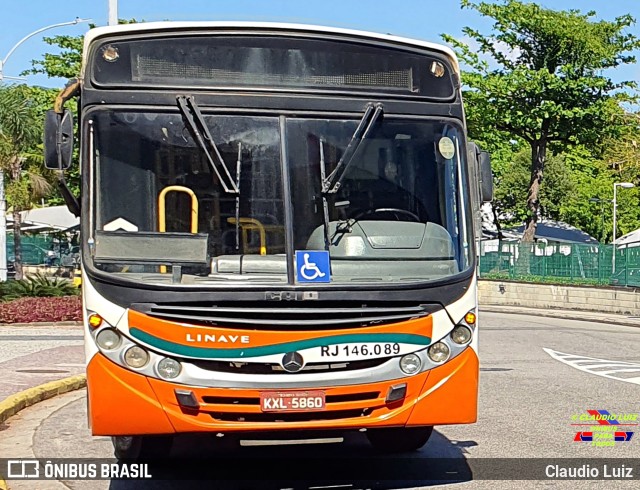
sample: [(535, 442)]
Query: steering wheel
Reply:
[(395, 211)]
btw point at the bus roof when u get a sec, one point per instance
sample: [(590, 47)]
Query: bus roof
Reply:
[(303, 28)]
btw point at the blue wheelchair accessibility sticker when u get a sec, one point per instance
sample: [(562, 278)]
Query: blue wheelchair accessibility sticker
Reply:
[(313, 266)]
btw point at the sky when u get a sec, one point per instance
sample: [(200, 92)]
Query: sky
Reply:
[(420, 19)]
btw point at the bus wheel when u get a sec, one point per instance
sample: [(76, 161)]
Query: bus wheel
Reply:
[(142, 447), (399, 440)]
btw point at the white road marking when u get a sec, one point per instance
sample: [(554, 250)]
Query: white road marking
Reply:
[(591, 365), (630, 370)]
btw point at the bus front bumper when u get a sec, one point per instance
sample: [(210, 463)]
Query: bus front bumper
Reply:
[(122, 402)]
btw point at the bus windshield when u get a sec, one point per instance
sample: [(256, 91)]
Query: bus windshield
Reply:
[(395, 215)]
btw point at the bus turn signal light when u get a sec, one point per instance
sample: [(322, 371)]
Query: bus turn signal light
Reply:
[(95, 320), (470, 318)]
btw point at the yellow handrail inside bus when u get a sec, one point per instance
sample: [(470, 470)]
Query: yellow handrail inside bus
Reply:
[(251, 224), (162, 218)]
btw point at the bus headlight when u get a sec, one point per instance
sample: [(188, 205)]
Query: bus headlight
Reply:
[(461, 334), (439, 352), (410, 364), (136, 357), (169, 368), (108, 339)]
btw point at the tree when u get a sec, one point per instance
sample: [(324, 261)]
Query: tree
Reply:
[(19, 131), (546, 84), (511, 188), (65, 64)]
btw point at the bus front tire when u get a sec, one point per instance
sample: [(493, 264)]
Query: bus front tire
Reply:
[(399, 439), (135, 448)]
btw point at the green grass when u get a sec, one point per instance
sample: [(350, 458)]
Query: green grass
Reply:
[(530, 278)]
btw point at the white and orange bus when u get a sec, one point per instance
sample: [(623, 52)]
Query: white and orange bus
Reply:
[(278, 226)]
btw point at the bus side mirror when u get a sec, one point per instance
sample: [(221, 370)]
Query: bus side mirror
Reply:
[(58, 140), (486, 177)]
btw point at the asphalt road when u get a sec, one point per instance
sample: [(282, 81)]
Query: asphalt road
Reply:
[(536, 375)]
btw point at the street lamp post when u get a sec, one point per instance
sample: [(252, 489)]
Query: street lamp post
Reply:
[(3, 219), (3, 62), (624, 185), (113, 12)]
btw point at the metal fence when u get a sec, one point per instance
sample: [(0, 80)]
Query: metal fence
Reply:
[(34, 249), (560, 263)]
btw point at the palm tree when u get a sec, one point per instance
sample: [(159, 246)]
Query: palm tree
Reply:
[(19, 130)]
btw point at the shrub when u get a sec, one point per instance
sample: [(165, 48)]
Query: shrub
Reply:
[(568, 281), (37, 285), (51, 309)]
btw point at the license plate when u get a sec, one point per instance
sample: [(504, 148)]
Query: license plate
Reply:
[(292, 401), (363, 351)]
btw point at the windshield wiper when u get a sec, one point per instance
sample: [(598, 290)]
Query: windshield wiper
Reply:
[(325, 205), (201, 134), (238, 169), (331, 183)]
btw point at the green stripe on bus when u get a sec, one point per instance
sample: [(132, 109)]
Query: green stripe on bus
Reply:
[(211, 353)]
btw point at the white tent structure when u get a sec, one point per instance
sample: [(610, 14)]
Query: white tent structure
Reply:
[(45, 221), (551, 237), (53, 218), (630, 239), (557, 232)]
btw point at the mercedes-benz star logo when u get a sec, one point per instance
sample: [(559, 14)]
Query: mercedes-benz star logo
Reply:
[(292, 362)]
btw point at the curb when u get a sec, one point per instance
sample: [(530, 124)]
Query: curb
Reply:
[(580, 315), (14, 403), (43, 324)]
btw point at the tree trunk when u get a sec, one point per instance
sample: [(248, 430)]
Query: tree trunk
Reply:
[(497, 223), (538, 158), (16, 171), (17, 244)]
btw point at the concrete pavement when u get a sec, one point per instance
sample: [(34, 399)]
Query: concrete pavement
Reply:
[(34, 361), (34, 355)]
